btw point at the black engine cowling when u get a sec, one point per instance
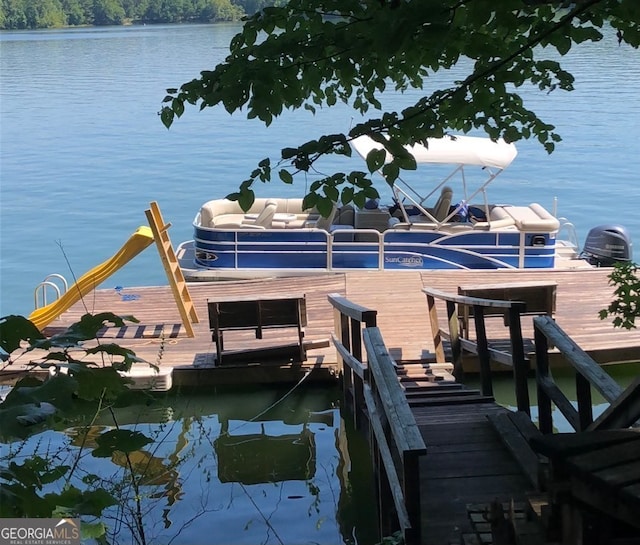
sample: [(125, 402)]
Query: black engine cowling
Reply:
[(607, 244)]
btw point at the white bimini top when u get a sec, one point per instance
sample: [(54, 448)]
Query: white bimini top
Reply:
[(456, 150)]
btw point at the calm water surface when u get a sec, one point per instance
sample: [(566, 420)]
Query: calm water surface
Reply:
[(83, 151), (225, 468)]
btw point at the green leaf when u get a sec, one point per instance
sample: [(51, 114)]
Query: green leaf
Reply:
[(27, 473), (128, 357), (93, 530), (390, 171), (310, 200), (177, 106), (347, 195), (58, 390), (85, 329), (246, 199), (333, 195), (563, 44), (20, 501), (285, 176), (166, 116), (375, 159), (94, 383), (13, 330), (324, 206), (90, 503), (406, 162), (119, 440)]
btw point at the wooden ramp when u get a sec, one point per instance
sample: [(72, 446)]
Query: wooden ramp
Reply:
[(466, 469), (477, 455), (443, 454)]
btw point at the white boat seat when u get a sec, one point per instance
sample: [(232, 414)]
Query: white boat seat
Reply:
[(219, 212), (265, 217), (533, 218), (498, 219), (443, 204), (226, 219), (238, 225)]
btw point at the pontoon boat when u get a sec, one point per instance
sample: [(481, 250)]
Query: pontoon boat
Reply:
[(453, 226)]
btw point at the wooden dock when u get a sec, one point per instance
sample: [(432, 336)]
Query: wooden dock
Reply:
[(397, 297), (454, 467), (455, 446)]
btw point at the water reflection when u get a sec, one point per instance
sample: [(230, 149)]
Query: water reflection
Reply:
[(504, 390), (261, 458), (227, 467)]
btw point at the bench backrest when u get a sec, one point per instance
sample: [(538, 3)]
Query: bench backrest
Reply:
[(257, 314), (539, 297)]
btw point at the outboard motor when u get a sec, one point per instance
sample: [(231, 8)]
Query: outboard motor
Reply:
[(606, 245)]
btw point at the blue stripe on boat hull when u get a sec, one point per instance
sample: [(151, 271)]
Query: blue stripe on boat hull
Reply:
[(310, 249)]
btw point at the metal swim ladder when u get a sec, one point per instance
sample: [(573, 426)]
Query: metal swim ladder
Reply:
[(40, 293)]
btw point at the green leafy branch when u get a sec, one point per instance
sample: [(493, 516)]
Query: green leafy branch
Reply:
[(625, 308), (74, 382), (314, 53)]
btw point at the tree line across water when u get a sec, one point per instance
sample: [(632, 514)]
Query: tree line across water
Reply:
[(34, 14)]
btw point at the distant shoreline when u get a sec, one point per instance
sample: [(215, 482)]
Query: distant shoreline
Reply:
[(57, 14), (123, 24)]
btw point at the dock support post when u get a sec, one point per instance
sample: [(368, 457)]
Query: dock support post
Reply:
[(545, 415), (520, 365)]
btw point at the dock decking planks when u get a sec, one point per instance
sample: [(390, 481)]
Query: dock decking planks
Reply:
[(581, 294), (466, 464), (401, 307)]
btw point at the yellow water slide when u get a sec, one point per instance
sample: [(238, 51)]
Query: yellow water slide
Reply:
[(137, 242)]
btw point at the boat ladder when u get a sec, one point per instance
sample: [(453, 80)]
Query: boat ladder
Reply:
[(40, 293)]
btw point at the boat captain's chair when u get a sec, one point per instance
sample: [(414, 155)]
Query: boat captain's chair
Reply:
[(265, 217), (325, 223), (443, 204)]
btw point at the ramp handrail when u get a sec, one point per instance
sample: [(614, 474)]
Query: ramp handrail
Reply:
[(373, 394), (350, 319), (624, 409), (516, 358)]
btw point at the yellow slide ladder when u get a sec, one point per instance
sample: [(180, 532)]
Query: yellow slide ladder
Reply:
[(172, 267)]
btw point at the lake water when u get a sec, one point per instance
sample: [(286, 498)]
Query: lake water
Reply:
[(83, 151), (82, 154), (250, 466)]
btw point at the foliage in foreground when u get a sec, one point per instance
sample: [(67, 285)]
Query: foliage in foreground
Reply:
[(41, 486), (315, 53), (625, 308)]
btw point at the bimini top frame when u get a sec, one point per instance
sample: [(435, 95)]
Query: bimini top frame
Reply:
[(459, 152)]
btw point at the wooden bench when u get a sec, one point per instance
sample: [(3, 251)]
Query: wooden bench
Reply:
[(258, 315), (539, 299)]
